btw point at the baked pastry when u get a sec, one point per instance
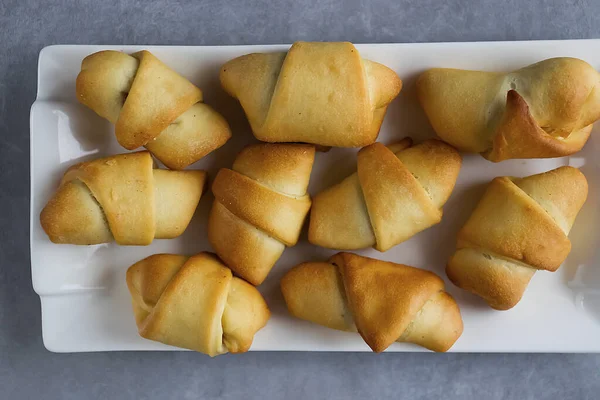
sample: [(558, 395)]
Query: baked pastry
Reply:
[(540, 111), (121, 198), (320, 93), (385, 302), (396, 193), (519, 226), (195, 303), (260, 206), (152, 106)]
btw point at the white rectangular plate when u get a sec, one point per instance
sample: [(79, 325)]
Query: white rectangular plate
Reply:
[(85, 302)]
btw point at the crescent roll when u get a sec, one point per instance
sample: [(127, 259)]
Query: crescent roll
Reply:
[(396, 193), (385, 302), (195, 303), (121, 198), (519, 226), (152, 106), (320, 93), (260, 206), (544, 110)]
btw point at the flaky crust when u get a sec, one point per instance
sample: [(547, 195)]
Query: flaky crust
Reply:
[(320, 93), (260, 207), (124, 198), (519, 226), (195, 303), (385, 302), (151, 105), (540, 111), (392, 197)]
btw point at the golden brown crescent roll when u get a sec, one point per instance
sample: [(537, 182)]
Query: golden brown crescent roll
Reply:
[(385, 302), (540, 111), (320, 93), (121, 198), (260, 207), (396, 193), (519, 226), (195, 303), (152, 106)]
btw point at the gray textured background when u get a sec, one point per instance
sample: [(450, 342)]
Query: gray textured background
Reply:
[(27, 370)]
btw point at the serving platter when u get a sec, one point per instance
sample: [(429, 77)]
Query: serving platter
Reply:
[(85, 302)]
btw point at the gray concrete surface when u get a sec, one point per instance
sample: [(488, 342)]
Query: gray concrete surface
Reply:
[(28, 371)]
